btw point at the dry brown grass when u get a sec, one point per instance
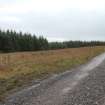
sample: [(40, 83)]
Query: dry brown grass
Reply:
[(17, 69)]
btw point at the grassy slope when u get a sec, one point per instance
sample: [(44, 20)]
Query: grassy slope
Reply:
[(18, 69)]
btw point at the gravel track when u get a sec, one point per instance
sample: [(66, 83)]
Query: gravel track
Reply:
[(84, 85)]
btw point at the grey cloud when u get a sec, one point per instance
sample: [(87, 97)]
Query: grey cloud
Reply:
[(70, 24)]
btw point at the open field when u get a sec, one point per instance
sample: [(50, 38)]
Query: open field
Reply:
[(18, 69)]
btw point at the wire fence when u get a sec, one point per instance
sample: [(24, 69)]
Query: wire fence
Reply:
[(5, 60)]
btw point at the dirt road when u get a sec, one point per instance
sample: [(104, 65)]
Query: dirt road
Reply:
[(84, 85)]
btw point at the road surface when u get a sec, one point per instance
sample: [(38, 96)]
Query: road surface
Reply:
[(84, 85)]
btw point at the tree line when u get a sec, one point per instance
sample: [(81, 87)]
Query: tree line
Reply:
[(75, 44), (12, 41)]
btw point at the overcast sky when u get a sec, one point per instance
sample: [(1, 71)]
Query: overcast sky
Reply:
[(57, 20)]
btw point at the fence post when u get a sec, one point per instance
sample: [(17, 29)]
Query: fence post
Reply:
[(0, 60)]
